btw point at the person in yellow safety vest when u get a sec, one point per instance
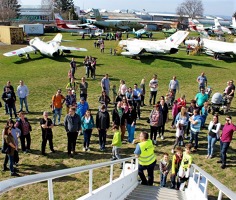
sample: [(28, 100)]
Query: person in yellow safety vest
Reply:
[(146, 158)]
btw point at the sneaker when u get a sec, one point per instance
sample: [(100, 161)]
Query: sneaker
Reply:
[(182, 185), (158, 135), (5, 169), (186, 137), (162, 137), (28, 150), (194, 150), (172, 151), (210, 157), (88, 149), (223, 166), (53, 151), (207, 156), (84, 149), (14, 174), (219, 161), (154, 142)]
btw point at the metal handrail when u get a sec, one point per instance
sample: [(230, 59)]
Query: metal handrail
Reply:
[(10, 184), (222, 188)]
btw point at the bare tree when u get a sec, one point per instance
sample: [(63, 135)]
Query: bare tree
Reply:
[(9, 9), (192, 8), (234, 15)]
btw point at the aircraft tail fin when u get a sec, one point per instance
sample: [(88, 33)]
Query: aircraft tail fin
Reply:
[(57, 38), (97, 14), (192, 25), (233, 21), (59, 21), (217, 23), (177, 38)]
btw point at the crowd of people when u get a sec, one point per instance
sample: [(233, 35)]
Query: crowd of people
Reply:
[(126, 109)]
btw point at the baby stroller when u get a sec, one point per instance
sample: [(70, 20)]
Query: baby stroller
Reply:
[(218, 103)]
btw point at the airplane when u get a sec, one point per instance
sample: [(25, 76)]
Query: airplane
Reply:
[(233, 26), (135, 47), (214, 48), (64, 27), (139, 33), (113, 24), (222, 28), (169, 32), (51, 48)]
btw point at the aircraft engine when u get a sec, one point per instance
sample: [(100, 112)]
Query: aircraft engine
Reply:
[(173, 50), (66, 51)]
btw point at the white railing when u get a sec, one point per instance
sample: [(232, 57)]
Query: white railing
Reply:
[(10, 184), (198, 185)]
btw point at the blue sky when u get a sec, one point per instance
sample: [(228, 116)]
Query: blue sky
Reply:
[(211, 7)]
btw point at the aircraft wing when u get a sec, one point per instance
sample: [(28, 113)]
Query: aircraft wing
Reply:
[(20, 51), (63, 48), (219, 46)]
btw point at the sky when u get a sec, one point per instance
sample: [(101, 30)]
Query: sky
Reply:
[(211, 7)]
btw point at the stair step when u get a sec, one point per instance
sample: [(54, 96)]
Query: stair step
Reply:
[(143, 192)]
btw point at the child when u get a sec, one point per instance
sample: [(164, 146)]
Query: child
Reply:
[(174, 112), (70, 74), (185, 165), (114, 93), (176, 161), (165, 166), (204, 113), (116, 143), (179, 134)]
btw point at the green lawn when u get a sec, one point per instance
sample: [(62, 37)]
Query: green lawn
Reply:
[(44, 76)]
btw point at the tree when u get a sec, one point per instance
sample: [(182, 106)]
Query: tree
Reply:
[(66, 9), (192, 8), (9, 9), (234, 15)]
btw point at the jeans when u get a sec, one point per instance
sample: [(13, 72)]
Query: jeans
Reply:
[(137, 104), (173, 179), (154, 130), (211, 145), (130, 130), (45, 138), (102, 138), (11, 159), (163, 179), (150, 171), (194, 136), (10, 111), (71, 137), (87, 135), (153, 95), (116, 152), (26, 137), (57, 111), (25, 102), (223, 150)]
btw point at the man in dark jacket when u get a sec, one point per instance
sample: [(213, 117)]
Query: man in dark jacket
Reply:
[(72, 125), (102, 124), (118, 118), (9, 98)]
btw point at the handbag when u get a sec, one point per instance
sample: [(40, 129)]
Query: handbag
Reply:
[(6, 148)]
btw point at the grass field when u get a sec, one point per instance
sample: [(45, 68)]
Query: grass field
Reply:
[(44, 76)]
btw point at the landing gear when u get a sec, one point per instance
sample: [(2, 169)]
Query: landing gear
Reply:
[(216, 56), (27, 56)]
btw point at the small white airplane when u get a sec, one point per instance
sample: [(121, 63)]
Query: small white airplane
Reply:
[(233, 26), (135, 47), (222, 28), (214, 48), (51, 48), (141, 32)]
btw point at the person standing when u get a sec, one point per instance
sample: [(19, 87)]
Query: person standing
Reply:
[(201, 98), (137, 99), (87, 124), (57, 102), (102, 124), (72, 123), (22, 93), (195, 122), (174, 86), (213, 135), (116, 143), (83, 86), (4, 90), (70, 100), (146, 158), (164, 110), (23, 124), (73, 67), (9, 140), (153, 89), (143, 92), (202, 81), (105, 84), (130, 117), (165, 166), (225, 140), (230, 93), (82, 107), (46, 127), (118, 118), (9, 98)]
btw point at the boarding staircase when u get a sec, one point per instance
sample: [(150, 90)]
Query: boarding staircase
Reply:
[(126, 186), (143, 192)]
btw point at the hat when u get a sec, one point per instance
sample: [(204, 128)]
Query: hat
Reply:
[(82, 99)]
